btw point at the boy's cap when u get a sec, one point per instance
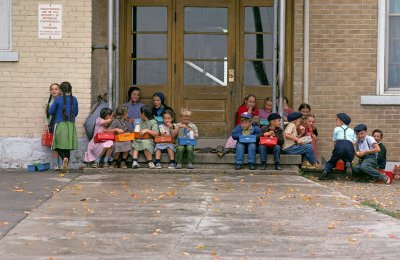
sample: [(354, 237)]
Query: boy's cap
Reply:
[(360, 127), (246, 115), (344, 117), (273, 116), (293, 116)]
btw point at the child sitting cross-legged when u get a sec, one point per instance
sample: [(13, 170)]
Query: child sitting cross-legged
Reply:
[(245, 128), (367, 151)]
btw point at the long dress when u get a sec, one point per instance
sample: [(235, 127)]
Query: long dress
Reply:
[(120, 146), (94, 150), (146, 144)]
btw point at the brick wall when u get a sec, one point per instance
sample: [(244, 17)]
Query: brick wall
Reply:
[(343, 42), (24, 85)]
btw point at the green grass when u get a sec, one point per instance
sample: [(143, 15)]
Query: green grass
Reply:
[(378, 208)]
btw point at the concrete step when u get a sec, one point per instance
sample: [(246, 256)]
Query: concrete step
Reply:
[(287, 170)]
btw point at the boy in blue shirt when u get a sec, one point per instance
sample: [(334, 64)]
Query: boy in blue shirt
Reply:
[(343, 138), (245, 128), (367, 151)]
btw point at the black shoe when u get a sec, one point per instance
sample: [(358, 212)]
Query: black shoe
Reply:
[(349, 171), (278, 168), (324, 176), (252, 167), (263, 166), (238, 166)]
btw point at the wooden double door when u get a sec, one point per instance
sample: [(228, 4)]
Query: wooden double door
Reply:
[(202, 54)]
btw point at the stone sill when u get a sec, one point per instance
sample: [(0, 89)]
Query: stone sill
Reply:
[(9, 56), (393, 100)]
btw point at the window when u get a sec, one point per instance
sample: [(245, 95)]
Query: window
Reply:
[(5, 32), (388, 55), (392, 61)]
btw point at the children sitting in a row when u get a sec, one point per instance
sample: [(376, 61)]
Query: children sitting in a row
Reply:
[(148, 125)]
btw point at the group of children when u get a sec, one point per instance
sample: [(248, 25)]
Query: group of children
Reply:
[(298, 135), (151, 122)]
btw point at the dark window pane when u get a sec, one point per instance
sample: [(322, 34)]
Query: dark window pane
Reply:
[(212, 73), (203, 46), (149, 19), (149, 72), (257, 73), (149, 45), (258, 46), (259, 19), (204, 19), (394, 76)]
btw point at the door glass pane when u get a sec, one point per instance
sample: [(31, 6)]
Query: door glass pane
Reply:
[(149, 72), (149, 45), (259, 19), (258, 46), (394, 6), (149, 19), (257, 72), (212, 73), (205, 46), (205, 19)]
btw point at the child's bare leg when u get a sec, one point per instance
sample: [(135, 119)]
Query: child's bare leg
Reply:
[(158, 154), (135, 154), (56, 161), (171, 154), (148, 155)]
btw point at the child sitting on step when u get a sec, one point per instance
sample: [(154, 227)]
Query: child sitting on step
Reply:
[(183, 129), (245, 128)]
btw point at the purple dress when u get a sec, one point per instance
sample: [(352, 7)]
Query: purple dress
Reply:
[(95, 149)]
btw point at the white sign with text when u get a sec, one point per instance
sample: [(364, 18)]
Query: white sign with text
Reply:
[(49, 21)]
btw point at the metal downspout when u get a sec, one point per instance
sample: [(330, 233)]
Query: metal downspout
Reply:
[(274, 56), (110, 54), (117, 53), (306, 48), (281, 77)]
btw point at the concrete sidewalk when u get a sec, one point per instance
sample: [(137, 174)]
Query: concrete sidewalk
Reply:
[(203, 216)]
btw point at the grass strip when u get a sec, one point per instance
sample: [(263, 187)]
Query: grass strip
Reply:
[(378, 208)]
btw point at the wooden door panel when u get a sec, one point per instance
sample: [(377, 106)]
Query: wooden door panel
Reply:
[(210, 103)]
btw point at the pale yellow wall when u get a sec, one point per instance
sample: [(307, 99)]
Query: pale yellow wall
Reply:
[(24, 85)]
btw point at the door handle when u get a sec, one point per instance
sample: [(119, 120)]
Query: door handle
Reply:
[(231, 75)]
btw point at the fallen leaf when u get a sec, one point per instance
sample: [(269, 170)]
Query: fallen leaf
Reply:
[(200, 246), (135, 196), (185, 253)]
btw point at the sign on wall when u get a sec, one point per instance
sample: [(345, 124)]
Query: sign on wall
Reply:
[(49, 21)]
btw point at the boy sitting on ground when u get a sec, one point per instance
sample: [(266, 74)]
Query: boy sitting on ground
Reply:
[(366, 151), (344, 138), (378, 136)]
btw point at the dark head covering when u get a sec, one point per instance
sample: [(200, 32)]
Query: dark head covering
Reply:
[(360, 127), (160, 95), (293, 116), (246, 115), (273, 116), (344, 117)]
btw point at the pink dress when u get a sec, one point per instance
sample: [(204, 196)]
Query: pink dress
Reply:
[(95, 149)]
